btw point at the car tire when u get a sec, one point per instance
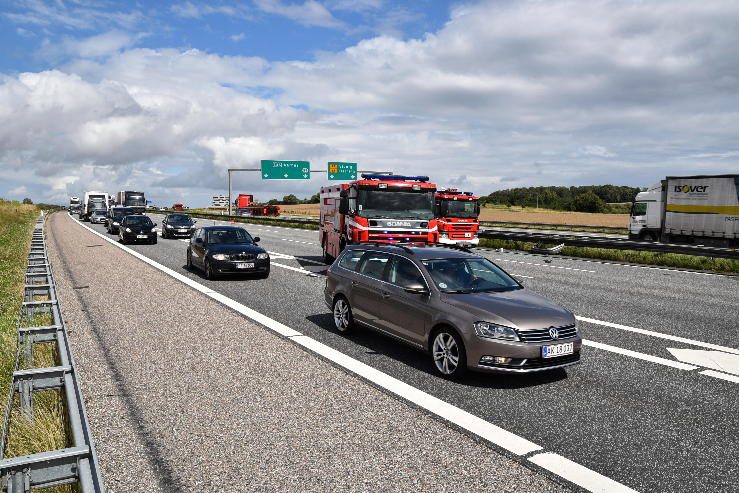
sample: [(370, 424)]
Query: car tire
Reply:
[(189, 259), (448, 355), (209, 274), (154, 241), (343, 318), (327, 259)]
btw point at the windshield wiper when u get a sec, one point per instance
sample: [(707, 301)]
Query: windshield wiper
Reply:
[(458, 291)]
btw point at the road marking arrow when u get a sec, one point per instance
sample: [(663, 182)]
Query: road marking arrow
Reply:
[(715, 360)]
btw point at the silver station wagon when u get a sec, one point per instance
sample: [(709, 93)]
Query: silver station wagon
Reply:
[(461, 308)]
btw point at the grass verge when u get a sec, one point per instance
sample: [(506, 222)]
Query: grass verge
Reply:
[(46, 431), (675, 260)]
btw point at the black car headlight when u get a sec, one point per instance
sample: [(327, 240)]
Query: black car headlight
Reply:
[(219, 256), (263, 256), (495, 331)]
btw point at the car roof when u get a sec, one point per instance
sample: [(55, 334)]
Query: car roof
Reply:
[(221, 227), (421, 252)]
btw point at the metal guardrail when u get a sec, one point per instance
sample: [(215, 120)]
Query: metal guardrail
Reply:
[(573, 227), (591, 240), (612, 243), (77, 463)]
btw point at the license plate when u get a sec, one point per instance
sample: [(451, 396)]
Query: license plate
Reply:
[(468, 235), (142, 236), (182, 231), (245, 265), (557, 350)]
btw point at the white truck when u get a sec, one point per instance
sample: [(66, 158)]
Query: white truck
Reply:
[(74, 205), (92, 201), (690, 209)]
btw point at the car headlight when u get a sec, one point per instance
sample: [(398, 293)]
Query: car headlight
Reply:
[(169, 226), (219, 256), (494, 331), (262, 256), (128, 230), (115, 224)]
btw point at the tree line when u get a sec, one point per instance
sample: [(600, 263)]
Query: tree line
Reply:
[(591, 198)]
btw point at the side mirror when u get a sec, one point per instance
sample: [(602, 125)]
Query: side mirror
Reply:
[(257, 239), (194, 221), (155, 224), (416, 288), (199, 240), (343, 205)]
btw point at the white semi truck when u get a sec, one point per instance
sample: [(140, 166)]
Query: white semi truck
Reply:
[(74, 205), (92, 201), (690, 209)]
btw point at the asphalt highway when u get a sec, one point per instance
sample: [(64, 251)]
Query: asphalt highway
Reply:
[(653, 405)]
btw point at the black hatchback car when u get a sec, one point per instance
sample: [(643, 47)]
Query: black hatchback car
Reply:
[(137, 228), (175, 225), (114, 218), (226, 250)]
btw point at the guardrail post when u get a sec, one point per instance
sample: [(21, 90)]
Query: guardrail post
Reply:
[(25, 389), (19, 483)]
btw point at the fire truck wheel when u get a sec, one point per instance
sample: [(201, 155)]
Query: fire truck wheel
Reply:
[(327, 259), (343, 319)]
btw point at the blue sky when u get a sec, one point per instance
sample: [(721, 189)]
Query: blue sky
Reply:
[(479, 94)]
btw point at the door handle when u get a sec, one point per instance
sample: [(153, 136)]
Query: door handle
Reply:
[(354, 283), (385, 295)]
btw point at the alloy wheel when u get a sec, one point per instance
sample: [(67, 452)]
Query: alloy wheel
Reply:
[(446, 353), (342, 315)]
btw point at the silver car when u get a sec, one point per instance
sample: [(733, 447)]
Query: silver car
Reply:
[(461, 308)]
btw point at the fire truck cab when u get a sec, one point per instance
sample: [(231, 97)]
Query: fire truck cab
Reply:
[(457, 216), (377, 208)]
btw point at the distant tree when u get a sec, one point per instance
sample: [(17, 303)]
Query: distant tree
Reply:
[(27, 201), (315, 198), (290, 199), (589, 202), (273, 202)]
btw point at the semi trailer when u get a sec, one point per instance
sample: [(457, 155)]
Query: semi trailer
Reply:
[(93, 201), (133, 200), (688, 209)]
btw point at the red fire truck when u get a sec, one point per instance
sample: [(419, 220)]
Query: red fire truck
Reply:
[(244, 200), (456, 214), (377, 208)]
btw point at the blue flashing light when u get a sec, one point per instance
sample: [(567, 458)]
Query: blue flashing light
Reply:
[(394, 177)]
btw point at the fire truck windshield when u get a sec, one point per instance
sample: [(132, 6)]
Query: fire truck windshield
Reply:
[(460, 208), (389, 202)]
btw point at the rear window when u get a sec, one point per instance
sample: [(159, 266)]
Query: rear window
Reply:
[(373, 264), (351, 258)]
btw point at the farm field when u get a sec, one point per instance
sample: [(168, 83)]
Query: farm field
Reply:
[(513, 214)]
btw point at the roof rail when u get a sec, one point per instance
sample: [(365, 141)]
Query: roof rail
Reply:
[(396, 245)]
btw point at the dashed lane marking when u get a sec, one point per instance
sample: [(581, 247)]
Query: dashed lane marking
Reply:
[(489, 432), (542, 265), (638, 355)]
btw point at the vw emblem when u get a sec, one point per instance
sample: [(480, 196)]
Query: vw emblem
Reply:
[(553, 333)]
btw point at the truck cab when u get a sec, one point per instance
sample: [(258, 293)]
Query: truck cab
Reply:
[(457, 216), (645, 222)]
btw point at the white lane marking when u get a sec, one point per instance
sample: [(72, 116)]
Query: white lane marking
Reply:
[(638, 355), (661, 335), (580, 475), (235, 305), (484, 429), (722, 376), (296, 269), (715, 360), (520, 275), (542, 265), (297, 241), (292, 257)]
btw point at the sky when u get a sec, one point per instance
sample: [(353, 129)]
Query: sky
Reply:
[(164, 97)]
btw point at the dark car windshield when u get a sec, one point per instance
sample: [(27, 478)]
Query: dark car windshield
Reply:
[(228, 236), (120, 213), (459, 208), (179, 219), (467, 275), (139, 220), (393, 203)]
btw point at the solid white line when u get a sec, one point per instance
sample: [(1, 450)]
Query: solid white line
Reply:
[(296, 269), (505, 439), (661, 335), (637, 355), (484, 429), (580, 475), (722, 376), (292, 257)]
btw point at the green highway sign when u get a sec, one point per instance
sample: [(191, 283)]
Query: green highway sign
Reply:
[(342, 171), (285, 170)]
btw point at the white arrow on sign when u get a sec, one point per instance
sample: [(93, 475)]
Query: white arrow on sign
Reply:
[(266, 175), (285, 175), (716, 360), (330, 176)]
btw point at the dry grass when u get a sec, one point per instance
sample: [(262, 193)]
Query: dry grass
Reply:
[(505, 214)]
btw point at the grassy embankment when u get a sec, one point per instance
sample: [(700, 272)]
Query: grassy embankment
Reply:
[(47, 429)]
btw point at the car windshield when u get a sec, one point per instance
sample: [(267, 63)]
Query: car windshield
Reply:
[(179, 219), (120, 213), (459, 208), (390, 202), (467, 275), (139, 220), (228, 236)]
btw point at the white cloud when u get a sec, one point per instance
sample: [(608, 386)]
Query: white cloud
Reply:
[(98, 46), (505, 94), (308, 13), (237, 37), (193, 11)]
